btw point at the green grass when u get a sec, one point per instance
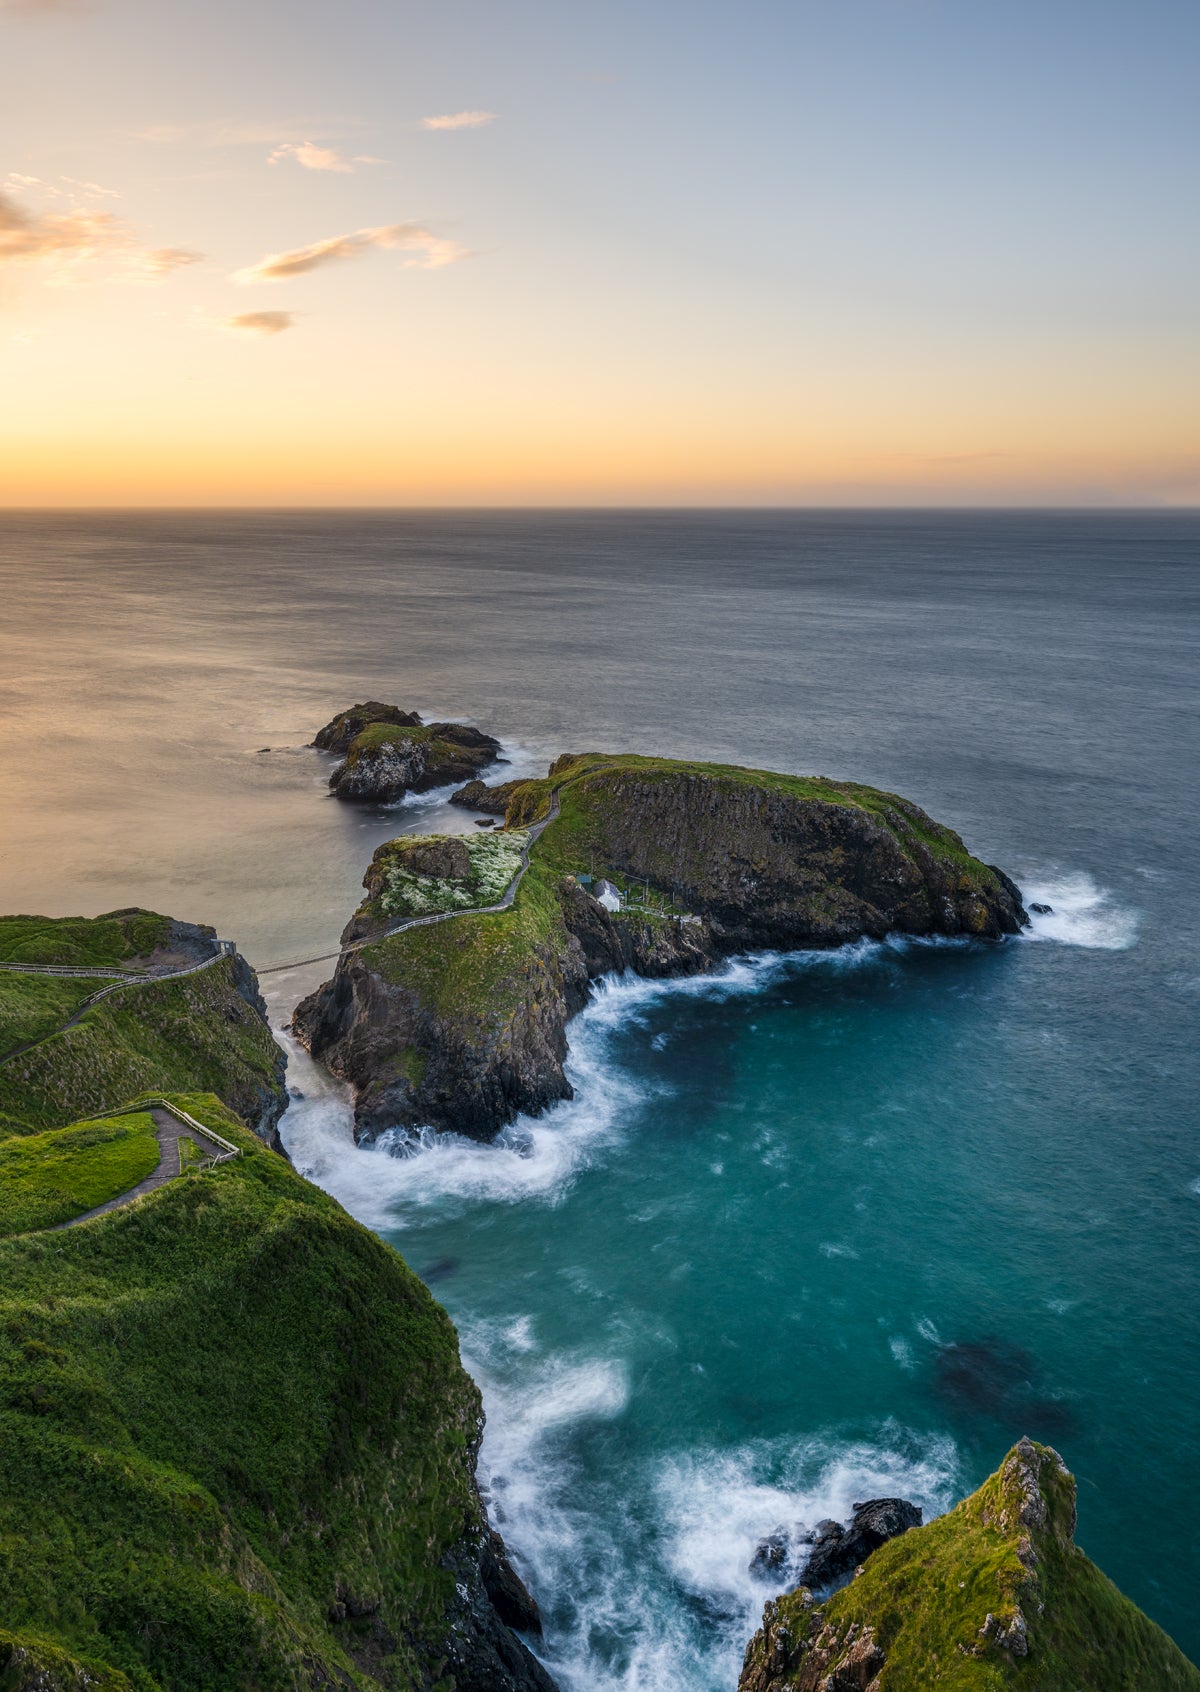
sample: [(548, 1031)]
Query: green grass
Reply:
[(32, 1006), (218, 1408), (30, 1664), (194, 1032), (49, 1178), (376, 735), (476, 965), (588, 785), (104, 942), (928, 1593)]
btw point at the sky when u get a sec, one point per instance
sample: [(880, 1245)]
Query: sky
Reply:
[(630, 252)]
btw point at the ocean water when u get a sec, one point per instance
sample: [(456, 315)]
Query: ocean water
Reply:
[(815, 1227)]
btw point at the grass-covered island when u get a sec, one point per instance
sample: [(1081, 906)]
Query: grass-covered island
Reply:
[(238, 1442), (993, 1595), (462, 1024), (386, 752)]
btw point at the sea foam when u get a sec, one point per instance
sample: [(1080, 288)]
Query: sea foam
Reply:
[(1082, 913), (644, 1571)]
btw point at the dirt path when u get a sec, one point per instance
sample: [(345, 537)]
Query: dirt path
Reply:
[(168, 1132)]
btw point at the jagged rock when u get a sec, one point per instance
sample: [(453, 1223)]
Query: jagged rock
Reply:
[(771, 1555), (838, 1551), (478, 796), (1042, 910)]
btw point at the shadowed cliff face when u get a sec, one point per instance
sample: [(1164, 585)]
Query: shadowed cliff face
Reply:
[(462, 1025), (780, 862)]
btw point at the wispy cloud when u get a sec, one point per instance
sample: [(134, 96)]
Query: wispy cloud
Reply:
[(71, 241), (156, 262), (432, 252), (73, 190), (262, 322), (312, 157), (459, 120)]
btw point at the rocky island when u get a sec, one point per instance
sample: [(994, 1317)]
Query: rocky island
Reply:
[(462, 1024), (386, 752)]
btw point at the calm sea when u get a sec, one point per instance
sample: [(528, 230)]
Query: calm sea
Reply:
[(815, 1228)]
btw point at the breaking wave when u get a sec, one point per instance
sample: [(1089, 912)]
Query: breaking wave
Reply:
[(406, 1173), (1081, 913), (645, 1572)]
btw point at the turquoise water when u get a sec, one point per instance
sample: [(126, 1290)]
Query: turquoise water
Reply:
[(814, 1228)]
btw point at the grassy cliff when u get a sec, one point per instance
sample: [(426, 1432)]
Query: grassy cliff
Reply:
[(62, 1060), (993, 1596), (117, 940), (237, 1444)]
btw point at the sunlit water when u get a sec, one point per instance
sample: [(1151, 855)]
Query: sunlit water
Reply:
[(813, 1227)]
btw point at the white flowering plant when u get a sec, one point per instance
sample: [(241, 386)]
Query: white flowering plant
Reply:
[(494, 861)]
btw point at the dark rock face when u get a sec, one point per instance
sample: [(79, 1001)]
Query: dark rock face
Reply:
[(478, 796), (445, 857), (476, 1073), (490, 1599), (383, 771), (838, 1551), (768, 868), (348, 725), (480, 1072)]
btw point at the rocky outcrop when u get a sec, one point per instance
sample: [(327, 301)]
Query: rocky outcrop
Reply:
[(382, 763), (837, 1551), (994, 1594), (462, 1026), (786, 863), (414, 1063), (491, 1607), (342, 730), (492, 801), (828, 1553)]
